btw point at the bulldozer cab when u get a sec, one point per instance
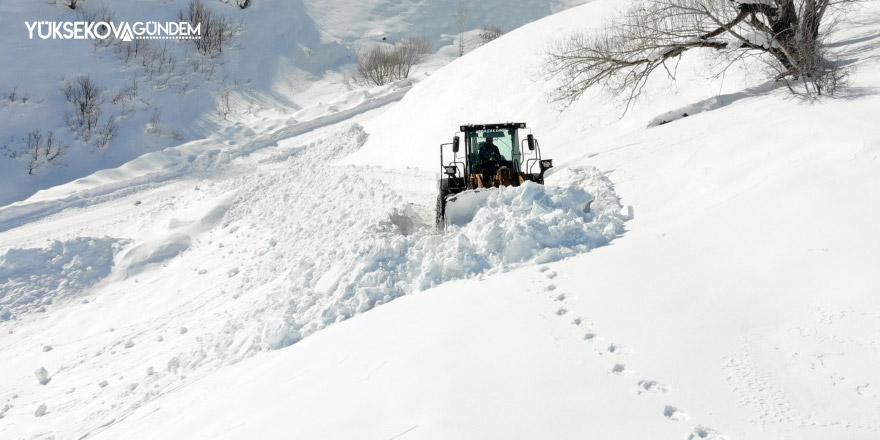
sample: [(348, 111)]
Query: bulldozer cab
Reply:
[(494, 155), (493, 145)]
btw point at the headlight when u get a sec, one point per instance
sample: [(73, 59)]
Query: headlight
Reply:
[(547, 163), (451, 169)]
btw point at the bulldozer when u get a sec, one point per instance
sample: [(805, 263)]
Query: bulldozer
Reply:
[(494, 155)]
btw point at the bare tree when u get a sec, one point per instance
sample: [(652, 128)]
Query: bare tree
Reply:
[(462, 16), (408, 53), (84, 96), (53, 148), (225, 107), (382, 63), (98, 14), (41, 150), (106, 134), (489, 33), (216, 30), (622, 55), (33, 142), (13, 95), (374, 65)]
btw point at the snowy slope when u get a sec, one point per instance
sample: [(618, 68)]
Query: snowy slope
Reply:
[(288, 57), (739, 304)]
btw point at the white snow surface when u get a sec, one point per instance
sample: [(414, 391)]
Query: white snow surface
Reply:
[(287, 61), (282, 278)]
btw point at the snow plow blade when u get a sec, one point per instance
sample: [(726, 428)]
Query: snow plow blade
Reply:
[(462, 207)]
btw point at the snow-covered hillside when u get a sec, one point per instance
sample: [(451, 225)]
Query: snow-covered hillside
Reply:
[(287, 58), (240, 286)]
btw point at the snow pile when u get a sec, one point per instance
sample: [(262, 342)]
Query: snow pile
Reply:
[(175, 236), (400, 254), (335, 240), (30, 279), (534, 223)]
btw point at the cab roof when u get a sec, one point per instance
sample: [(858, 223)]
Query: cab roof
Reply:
[(497, 126)]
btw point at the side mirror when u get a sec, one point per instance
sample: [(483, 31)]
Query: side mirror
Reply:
[(455, 143), (531, 140)]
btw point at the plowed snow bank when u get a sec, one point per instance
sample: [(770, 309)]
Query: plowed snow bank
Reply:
[(33, 278)]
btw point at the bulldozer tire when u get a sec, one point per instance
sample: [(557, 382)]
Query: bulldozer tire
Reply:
[(440, 218)]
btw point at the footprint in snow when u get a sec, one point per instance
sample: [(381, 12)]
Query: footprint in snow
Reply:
[(550, 274), (652, 386), (620, 369), (674, 414), (702, 432)]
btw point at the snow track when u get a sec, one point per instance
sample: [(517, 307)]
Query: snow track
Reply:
[(270, 248), (325, 244), (198, 158)]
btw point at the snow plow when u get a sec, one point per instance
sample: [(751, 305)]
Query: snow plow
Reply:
[(494, 155)]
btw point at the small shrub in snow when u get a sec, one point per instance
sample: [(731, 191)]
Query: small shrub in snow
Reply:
[(225, 107), (243, 4), (381, 63), (98, 14), (84, 97), (128, 93), (155, 124), (489, 33), (106, 133), (216, 30), (42, 150), (14, 96), (129, 50), (462, 16), (159, 63)]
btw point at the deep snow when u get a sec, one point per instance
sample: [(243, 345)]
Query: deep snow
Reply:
[(738, 303), (287, 61)]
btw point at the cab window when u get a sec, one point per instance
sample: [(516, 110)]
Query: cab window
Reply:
[(505, 139)]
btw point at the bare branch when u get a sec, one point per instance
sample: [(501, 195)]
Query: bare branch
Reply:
[(621, 55)]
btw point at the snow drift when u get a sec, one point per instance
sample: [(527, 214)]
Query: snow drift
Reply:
[(31, 279)]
